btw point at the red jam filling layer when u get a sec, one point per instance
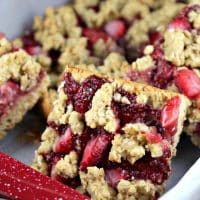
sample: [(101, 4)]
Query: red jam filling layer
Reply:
[(10, 92), (30, 45), (80, 95), (160, 75), (146, 168), (135, 113)]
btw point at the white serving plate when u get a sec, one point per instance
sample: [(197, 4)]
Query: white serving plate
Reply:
[(15, 17)]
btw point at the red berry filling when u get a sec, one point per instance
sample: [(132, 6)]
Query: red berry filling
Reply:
[(9, 91), (188, 83), (30, 45), (160, 75), (155, 38), (169, 116), (116, 29), (154, 169), (94, 35), (28, 40), (80, 95), (146, 168), (134, 112), (71, 87), (60, 129), (113, 176)]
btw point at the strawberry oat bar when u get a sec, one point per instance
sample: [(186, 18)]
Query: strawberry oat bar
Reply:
[(22, 83), (111, 139), (173, 63)]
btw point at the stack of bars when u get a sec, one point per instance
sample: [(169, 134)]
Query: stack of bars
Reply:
[(124, 84)]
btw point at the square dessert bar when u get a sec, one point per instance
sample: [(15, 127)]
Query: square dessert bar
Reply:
[(173, 63), (111, 139), (22, 82)]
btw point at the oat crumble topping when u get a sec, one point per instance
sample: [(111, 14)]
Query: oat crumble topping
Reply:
[(101, 113), (21, 67), (67, 166), (93, 181)]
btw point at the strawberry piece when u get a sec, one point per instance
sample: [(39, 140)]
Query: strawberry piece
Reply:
[(188, 83), (113, 176), (153, 136), (94, 150), (33, 50), (29, 40), (18, 181), (180, 23), (115, 29), (64, 143), (9, 91), (94, 35), (30, 45), (169, 116)]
